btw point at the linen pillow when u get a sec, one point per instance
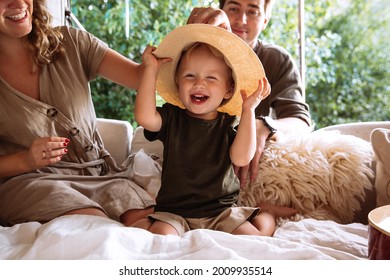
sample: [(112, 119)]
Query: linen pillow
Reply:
[(380, 140), (150, 147), (324, 175)]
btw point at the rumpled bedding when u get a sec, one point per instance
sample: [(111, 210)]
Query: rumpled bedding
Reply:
[(79, 237)]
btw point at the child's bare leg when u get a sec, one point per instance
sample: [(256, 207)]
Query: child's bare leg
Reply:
[(157, 227), (163, 228), (143, 223), (264, 224), (129, 217), (278, 211)]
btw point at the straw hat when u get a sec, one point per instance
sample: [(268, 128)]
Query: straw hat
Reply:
[(246, 66)]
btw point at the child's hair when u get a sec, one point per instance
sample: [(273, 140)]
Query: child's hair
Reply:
[(187, 52), (43, 40)]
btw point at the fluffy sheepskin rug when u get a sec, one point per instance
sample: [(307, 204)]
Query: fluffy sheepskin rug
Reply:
[(324, 175)]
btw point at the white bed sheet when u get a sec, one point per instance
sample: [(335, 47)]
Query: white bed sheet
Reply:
[(87, 237)]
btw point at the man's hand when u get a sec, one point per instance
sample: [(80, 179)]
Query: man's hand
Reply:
[(211, 16)]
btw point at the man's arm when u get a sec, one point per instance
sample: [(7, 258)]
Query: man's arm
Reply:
[(283, 126)]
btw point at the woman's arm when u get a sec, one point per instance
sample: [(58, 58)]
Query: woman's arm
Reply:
[(43, 152), (120, 69)]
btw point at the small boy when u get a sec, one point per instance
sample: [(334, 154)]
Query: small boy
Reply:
[(212, 78)]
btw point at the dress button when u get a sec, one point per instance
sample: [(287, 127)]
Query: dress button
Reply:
[(52, 112), (88, 148), (74, 131)]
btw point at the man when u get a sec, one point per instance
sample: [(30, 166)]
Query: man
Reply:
[(247, 19)]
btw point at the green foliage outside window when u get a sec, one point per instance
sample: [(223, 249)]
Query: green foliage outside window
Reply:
[(347, 45)]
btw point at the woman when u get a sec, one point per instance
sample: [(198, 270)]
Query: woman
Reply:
[(52, 159)]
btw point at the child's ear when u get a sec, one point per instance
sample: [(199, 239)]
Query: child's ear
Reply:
[(230, 92)]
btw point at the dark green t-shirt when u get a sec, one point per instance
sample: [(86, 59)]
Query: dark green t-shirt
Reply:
[(198, 179)]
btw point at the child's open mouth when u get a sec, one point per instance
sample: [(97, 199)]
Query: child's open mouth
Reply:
[(198, 98)]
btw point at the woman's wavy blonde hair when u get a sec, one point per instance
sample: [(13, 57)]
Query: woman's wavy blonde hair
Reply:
[(44, 41)]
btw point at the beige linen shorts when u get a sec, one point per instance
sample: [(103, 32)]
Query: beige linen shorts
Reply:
[(227, 221)]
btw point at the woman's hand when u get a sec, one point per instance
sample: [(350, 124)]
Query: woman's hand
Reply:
[(211, 16), (43, 152), (46, 151)]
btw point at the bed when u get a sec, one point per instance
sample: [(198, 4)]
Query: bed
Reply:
[(310, 236)]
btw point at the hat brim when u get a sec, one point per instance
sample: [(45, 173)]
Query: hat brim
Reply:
[(246, 66)]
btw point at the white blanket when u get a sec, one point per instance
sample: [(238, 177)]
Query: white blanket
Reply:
[(87, 237)]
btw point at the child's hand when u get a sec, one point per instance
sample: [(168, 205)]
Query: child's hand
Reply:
[(252, 101), (149, 60)]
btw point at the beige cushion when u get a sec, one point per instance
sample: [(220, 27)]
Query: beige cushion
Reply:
[(380, 139), (325, 175), (359, 129), (154, 148), (117, 136)]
